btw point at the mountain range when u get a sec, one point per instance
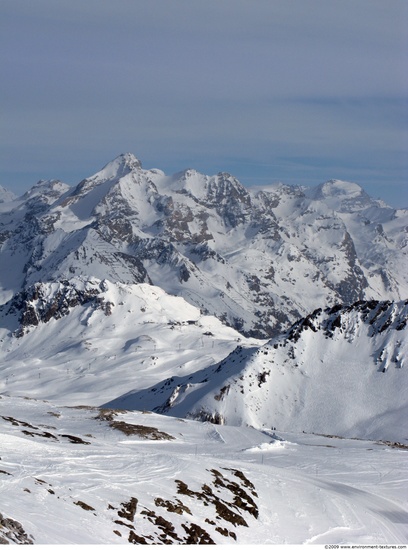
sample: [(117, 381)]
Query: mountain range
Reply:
[(250, 322), (258, 259)]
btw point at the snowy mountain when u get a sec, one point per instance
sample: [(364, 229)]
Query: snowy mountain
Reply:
[(183, 257), (256, 259), (181, 360), (339, 371), (86, 342), (336, 372)]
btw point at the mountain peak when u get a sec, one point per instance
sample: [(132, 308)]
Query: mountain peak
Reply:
[(129, 160), (46, 191), (124, 162), (342, 196), (118, 167), (335, 189), (339, 188)]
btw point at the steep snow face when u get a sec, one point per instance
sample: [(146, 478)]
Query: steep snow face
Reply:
[(114, 170), (258, 260), (121, 165), (341, 372)]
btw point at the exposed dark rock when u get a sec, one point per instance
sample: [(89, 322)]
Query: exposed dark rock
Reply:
[(128, 509), (35, 306), (47, 435), (75, 439), (176, 507), (12, 531), (145, 432), (84, 505), (196, 534), (230, 512), (136, 539)]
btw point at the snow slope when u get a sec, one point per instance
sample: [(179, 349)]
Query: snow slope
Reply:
[(341, 371), (85, 476), (86, 342)]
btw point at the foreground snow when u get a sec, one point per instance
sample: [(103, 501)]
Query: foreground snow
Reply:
[(79, 475)]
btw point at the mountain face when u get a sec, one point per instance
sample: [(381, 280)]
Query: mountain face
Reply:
[(256, 259), (6, 195), (339, 371), (90, 341)]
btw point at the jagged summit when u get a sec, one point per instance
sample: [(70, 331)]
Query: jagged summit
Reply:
[(122, 164)]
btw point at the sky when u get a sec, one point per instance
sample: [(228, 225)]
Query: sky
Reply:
[(269, 90)]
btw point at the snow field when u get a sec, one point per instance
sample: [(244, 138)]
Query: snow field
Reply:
[(307, 489)]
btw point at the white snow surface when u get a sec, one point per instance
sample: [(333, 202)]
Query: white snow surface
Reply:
[(6, 195), (69, 475), (90, 357)]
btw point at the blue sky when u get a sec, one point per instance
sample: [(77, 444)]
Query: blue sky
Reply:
[(294, 91)]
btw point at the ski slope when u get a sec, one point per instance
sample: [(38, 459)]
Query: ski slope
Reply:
[(69, 475)]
